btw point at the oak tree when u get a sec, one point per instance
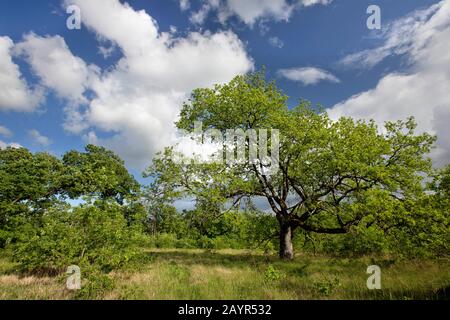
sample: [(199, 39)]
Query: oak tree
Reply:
[(328, 170)]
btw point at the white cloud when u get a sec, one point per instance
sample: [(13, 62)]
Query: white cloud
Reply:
[(59, 70), (173, 29), (405, 35), (39, 139), (250, 11), (307, 75), (4, 131), (15, 94), (4, 145), (52, 61), (184, 5), (190, 148), (106, 52), (308, 3), (139, 98), (200, 16), (423, 92), (276, 42)]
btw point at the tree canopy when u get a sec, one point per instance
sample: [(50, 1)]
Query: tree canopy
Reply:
[(34, 183), (332, 174)]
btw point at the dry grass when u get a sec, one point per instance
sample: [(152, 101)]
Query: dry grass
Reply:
[(237, 274)]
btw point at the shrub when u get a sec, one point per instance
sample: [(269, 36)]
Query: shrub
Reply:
[(359, 241), (165, 240), (89, 235), (186, 243), (205, 243), (94, 285), (327, 286), (272, 274)]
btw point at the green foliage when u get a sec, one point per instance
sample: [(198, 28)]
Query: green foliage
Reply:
[(28, 177), (361, 240), (94, 285), (164, 218), (333, 175), (165, 240), (345, 187), (47, 234), (98, 173), (178, 274), (232, 229), (327, 286), (90, 235), (35, 184), (271, 274), (29, 185)]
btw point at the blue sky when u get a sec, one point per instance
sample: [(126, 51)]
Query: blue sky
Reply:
[(60, 92)]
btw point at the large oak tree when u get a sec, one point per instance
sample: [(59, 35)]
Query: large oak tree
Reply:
[(329, 171)]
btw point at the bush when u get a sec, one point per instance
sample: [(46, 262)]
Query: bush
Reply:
[(94, 285), (165, 240), (186, 243), (89, 235), (327, 286), (271, 274), (359, 241), (205, 243)]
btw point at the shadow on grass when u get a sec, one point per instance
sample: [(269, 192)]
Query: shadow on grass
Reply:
[(436, 294), (299, 266), (213, 258), (37, 273)]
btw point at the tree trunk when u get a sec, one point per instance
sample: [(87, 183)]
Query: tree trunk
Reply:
[(286, 247)]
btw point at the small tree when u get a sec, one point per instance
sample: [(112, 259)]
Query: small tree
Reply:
[(29, 185), (327, 169), (98, 173), (33, 186), (88, 235)]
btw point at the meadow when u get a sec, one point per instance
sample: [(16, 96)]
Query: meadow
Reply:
[(172, 274), (345, 198)]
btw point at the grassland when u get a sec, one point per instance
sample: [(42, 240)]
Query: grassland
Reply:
[(239, 274)]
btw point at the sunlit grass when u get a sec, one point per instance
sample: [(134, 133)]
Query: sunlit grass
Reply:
[(240, 274)]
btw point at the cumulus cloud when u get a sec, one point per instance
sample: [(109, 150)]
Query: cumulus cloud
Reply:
[(307, 75), (39, 139), (250, 11), (15, 94), (53, 62), (59, 70), (137, 100), (422, 92), (4, 131)]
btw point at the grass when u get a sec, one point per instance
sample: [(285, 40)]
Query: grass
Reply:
[(239, 274)]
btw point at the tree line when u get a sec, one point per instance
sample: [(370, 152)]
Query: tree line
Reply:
[(344, 186)]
